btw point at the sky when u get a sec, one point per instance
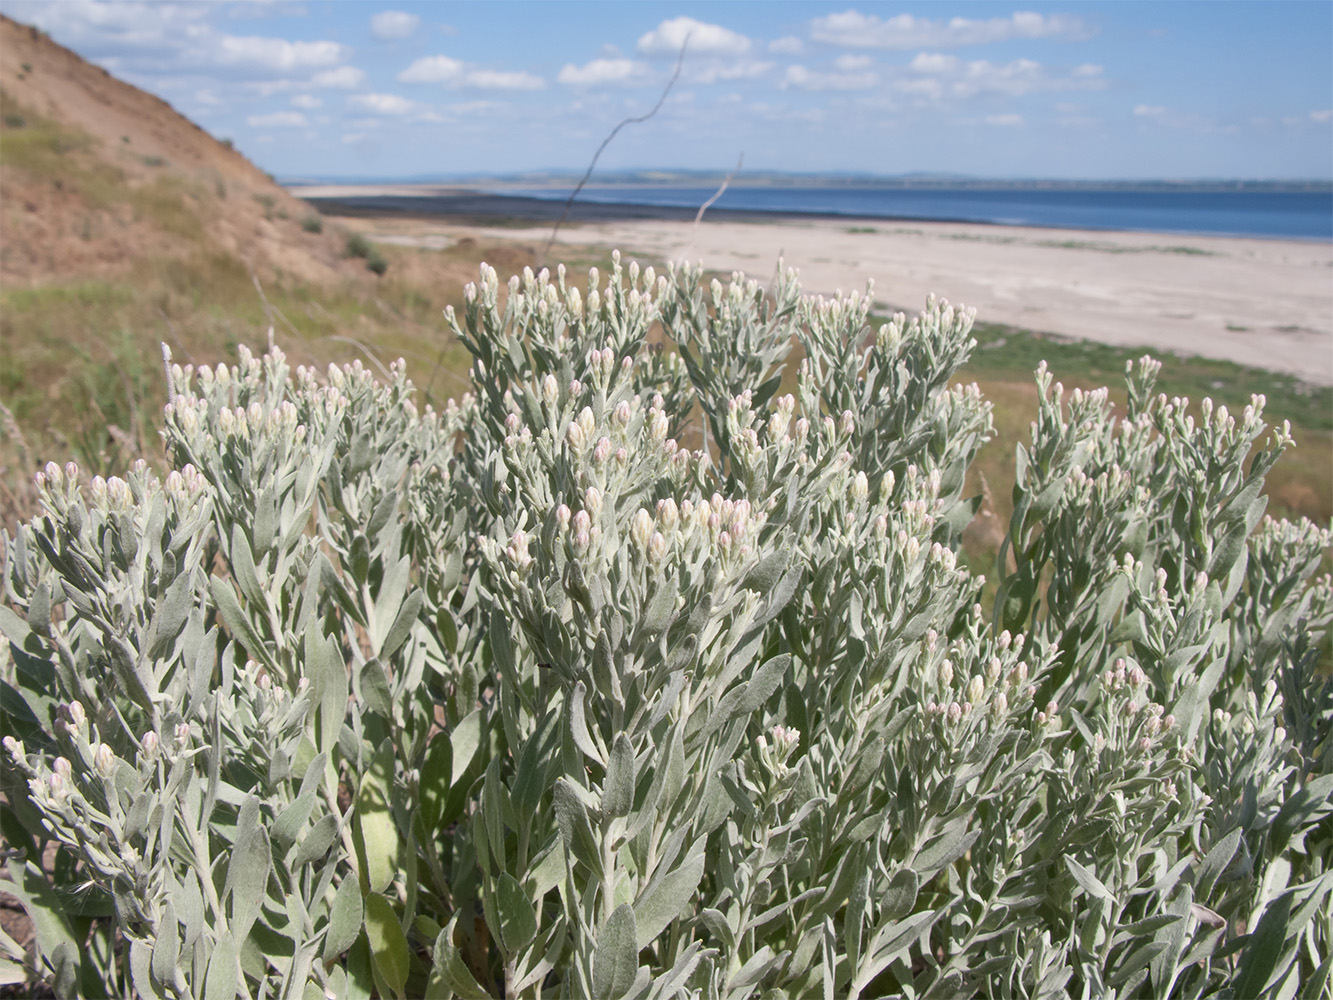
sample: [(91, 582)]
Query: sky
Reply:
[(1116, 91)]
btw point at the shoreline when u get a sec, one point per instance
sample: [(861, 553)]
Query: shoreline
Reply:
[(462, 201), (1262, 302)]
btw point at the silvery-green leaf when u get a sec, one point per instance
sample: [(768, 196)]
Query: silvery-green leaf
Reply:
[(388, 944), (1089, 881), (317, 841), (465, 739), (141, 970), (375, 688), (221, 980), (518, 920), (345, 918), (578, 726), (247, 879), (615, 961), (618, 793), (166, 948), (374, 832), (666, 895)]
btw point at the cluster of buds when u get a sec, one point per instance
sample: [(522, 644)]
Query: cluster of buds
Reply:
[(1122, 675), (776, 749)]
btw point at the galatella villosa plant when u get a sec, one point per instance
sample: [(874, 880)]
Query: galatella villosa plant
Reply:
[(630, 675)]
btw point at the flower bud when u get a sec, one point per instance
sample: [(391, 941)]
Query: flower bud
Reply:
[(641, 528), (149, 744), (562, 516), (656, 547), (946, 673), (975, 689), (592, 502), (104, 760)]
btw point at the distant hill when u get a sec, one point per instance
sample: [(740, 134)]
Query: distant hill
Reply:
[(97, 176)]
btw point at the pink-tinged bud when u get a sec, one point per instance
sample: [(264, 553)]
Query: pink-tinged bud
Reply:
[(592, 502), (58, 786), (623, 413), (149, 744), (1145, 745), (603, 451), (622, 456), (518, 551), (562, 516), (656, 547), (61, 766), (1168, 722), (955, 711), (512, 423)]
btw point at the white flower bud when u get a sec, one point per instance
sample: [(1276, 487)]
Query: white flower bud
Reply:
[(641, 528), (104, 760), (976, 687), (860, 488), (667, 514), (562, 516), (946, 673), (149, 744), (657, 427)]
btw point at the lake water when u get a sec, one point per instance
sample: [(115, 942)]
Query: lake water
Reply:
[(1302, 215)]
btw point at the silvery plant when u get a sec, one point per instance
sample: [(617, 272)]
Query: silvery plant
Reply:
[(633, 675)]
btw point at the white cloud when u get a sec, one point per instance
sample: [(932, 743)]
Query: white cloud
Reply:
[(307, 101), (1004, 120), (342, 78), (668, 37), (856, 30), (277, 53), (390, 24), (788, 45), (212, 99), (278, 119), (494, 79), (932, 77), (933, 62), (717, 69), (602, 71), (1149, 110), (1325, 115), (354, 137), (850, 63), (806, 79), (382, 104), (432, 69)]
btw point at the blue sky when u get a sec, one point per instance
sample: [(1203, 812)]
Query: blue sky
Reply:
[(1065, 90)]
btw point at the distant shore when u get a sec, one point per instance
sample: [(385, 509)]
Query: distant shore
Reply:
[(1267, 303)]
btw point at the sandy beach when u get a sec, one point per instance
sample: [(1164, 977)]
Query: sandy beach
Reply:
[(1259, 302)]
